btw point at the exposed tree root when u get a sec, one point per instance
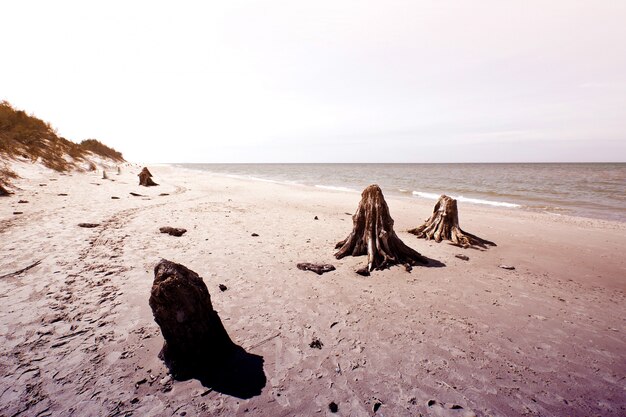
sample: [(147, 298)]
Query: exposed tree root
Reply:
[(373, 235), (443, 224)]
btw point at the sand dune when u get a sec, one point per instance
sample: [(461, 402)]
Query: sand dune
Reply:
[(77, 336)]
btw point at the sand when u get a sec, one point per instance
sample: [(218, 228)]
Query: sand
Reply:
[(77, 336)]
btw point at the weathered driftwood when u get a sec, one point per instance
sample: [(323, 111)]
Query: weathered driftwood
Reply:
[(145, 178), (88, 225), (319, 269), (104, 175), (373, 235), (173, 231), (194, 335), (443, 224), (3, 191)]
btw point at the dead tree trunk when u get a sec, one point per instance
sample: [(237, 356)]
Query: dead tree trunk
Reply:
[(193, 332), (104, 175), (145, 178), (444, 224), (373, 234)]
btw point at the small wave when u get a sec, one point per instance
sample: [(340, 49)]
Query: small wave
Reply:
[(432, 196), (251, 178), (429, 196), (402, 190), (333, 188)]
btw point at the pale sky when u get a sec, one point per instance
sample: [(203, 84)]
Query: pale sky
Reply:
[(324, 81)]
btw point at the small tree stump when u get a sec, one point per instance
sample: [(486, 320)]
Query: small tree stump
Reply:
[(373, 234), (104, 175), (444, 224), (3, 191), (193, 332), (145, 178)]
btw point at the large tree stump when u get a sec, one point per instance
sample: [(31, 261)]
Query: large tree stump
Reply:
[(145, 178), (444, 224), (373, 235), (194, 335)]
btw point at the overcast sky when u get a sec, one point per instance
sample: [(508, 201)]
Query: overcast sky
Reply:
[(324, 81)]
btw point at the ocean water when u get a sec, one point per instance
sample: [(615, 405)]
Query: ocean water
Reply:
[(595, 190)]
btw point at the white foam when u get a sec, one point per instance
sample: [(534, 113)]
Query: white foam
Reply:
[(334, 188), (432, 196), (429, 196)]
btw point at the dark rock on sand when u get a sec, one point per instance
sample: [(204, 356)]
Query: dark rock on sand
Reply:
[(222, 287), (463, 257), (254, 235), (173, 231), (22, 202), (363, 271), (316, 343), (333, 407)]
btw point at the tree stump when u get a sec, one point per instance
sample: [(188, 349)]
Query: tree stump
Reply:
[(373, 234), (145, 178), (104, 175), (444, 224), (194, 335), (3, 191)]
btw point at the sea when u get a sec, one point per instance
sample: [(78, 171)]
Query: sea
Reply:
[(594, 190)]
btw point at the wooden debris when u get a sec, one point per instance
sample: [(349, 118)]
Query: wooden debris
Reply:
[(145, 178), (443, 224), (373, 235), (319, 269), (173, 231)]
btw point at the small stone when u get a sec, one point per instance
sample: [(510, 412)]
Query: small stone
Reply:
[(316, 343), (376, 406), (315, 218), (254, 235), (115, 198), (134, 400), (333, 407), (463, 257), (431, 403), (363, 271), (222, 287), (508, 267), (22, 201)]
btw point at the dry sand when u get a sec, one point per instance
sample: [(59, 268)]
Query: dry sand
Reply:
[(77, 336)]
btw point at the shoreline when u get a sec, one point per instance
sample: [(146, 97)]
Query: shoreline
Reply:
[(530, 202), (78, 335)]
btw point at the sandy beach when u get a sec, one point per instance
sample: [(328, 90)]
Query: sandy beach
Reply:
[(457, 338)]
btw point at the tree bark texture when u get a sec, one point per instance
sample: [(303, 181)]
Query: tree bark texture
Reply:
[(373, 235), (443, 224), (145, 178), (193, 332)]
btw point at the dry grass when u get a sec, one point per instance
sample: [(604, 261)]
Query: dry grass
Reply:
[(29, 137)]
